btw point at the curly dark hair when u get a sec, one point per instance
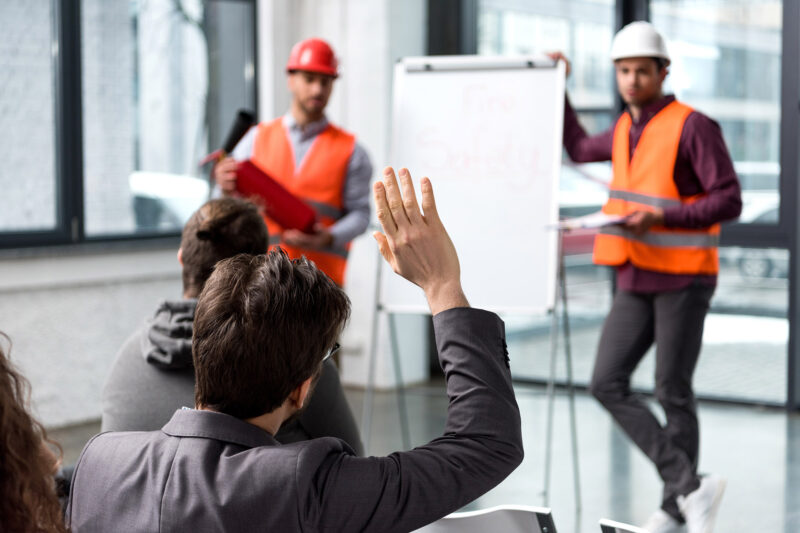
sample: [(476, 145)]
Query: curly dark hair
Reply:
[(27, 463)]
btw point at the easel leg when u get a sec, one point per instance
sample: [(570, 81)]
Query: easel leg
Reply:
[(401, 389), (570, 388), (366, 409), (551, 381), (561, 298)]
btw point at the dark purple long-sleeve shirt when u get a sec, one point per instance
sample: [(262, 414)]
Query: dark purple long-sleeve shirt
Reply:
[(703, 165)]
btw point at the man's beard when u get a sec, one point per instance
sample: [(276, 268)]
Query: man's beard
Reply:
[(313, 111)]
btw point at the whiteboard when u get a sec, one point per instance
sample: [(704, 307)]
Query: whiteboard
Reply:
[(488, 133)]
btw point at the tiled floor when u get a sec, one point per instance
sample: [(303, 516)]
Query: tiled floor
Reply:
[(744, 354), (757, 450)]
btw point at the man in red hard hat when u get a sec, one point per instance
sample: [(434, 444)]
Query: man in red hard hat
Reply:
[(315, 160)]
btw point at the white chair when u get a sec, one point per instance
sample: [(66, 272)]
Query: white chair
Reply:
[(500, 519), (609, 526)]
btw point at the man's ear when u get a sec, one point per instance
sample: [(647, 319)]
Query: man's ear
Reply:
[(180, 256), (299, 395)]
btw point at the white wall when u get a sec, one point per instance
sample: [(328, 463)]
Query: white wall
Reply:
[(368, 36), (68, 315)]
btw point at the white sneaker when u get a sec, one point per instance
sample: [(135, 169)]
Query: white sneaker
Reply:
[(662, 522), (700, 507)]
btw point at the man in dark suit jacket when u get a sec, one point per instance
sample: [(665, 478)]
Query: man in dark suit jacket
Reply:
[(262, 329)]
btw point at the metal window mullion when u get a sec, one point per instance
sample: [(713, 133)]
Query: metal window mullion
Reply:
[(789, 191), (452, 27), (627, 11), (253, 85), (68, 113)]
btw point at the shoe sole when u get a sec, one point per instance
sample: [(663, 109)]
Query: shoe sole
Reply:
[(712, 514)]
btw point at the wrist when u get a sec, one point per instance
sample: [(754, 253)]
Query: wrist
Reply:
[(445, 295)]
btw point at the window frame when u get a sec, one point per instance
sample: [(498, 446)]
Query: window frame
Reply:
[(69, 206)]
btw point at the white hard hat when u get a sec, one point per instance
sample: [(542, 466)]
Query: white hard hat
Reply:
[(638, 39)]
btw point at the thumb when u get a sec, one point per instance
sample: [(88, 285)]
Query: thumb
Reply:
[(383, 246)]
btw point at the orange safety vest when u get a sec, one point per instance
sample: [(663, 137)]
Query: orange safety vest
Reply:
[(319, 181), (645, 182)]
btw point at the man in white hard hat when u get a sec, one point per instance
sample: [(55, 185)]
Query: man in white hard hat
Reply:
[(674, 183), (315, 160)]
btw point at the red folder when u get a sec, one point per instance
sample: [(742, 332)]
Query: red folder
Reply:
[(281, 206)]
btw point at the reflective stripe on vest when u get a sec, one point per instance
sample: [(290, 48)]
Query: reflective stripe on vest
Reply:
[(646, 182), (665, 238), (319, 181), (644, 199), (326, 210)]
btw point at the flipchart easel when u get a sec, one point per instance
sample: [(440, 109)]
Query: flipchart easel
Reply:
[(457, 119)]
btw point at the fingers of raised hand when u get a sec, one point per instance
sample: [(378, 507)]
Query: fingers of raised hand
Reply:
[(428, 200), (382, 209), (394, 198), (409, 197)]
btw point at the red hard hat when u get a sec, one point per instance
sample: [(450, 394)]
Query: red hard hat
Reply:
[(313, 55)]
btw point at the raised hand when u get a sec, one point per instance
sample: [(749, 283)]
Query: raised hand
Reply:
[(415, 243)]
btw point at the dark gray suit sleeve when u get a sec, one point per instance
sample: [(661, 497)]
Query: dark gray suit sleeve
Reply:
[(481, 445)]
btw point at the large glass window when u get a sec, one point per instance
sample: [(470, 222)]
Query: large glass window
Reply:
[(27, 138), (160, 82), (582, 29), (148, 101), (726, 62)]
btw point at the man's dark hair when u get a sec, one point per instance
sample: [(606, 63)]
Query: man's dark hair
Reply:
[(220, 229), (262, 326)]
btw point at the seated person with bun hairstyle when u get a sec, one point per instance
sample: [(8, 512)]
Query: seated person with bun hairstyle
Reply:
[(153, 374)]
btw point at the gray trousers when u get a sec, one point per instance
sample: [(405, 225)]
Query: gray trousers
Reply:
[(674, 321)]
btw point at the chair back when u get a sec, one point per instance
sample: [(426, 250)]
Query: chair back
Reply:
[(610, 526), (500, 519)]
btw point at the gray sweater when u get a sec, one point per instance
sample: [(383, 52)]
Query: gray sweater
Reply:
[(153, 375)]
